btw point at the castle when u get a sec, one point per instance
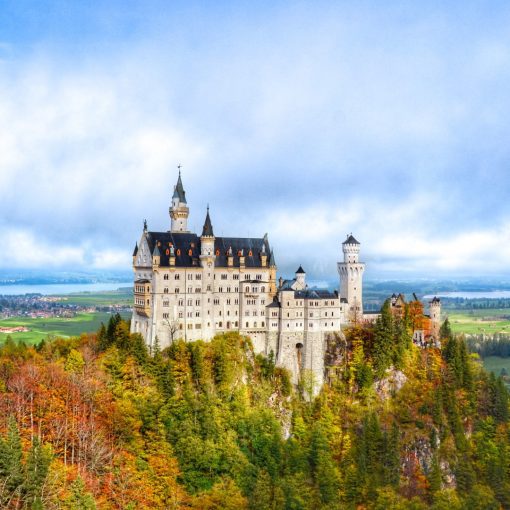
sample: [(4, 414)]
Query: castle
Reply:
[(194, 287)]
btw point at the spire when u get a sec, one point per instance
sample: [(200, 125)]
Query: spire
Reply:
[(207, 231), (145, 225), (135, 251), (300, 270), (272, 262), (156, 252), (179, 189), (351, 240)]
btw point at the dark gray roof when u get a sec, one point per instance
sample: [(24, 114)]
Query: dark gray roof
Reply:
[(315, 294), (350, 240), (274, 304), (300, 270), (272, 262), (142, 280), (156, 252), (435, 299), (187, 249), (287, 285), (135, 251), (207, 230), (179, 190)]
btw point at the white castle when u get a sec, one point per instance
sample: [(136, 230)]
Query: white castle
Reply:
[(194, 287)]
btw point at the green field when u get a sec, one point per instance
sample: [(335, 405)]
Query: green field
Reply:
[(495, 364), (477, 322), (41, 328), (122, 296)]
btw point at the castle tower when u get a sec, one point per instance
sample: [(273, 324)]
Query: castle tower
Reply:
[(435, 316), (300, 279), (351, 277), (179, 211), (207, 241)]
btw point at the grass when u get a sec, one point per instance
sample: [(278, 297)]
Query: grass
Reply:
[(105, 298), (476, 322), (41, 328)]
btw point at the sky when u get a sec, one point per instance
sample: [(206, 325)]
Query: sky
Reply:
[(305, 120)]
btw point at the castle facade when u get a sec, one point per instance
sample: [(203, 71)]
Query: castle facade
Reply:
[(194, 287)]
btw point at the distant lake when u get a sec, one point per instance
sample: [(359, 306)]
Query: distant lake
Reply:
[(60, 288), (488, 294)]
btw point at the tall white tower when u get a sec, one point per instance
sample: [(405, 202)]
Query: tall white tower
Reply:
[(351, 277), (179, 211)]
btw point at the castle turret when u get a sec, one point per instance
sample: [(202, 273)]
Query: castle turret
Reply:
[(179, 211), (351, 276), (207, 239), (300, 279), (435, 316)]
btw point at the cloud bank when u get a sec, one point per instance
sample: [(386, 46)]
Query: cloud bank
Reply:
[(306, 122)]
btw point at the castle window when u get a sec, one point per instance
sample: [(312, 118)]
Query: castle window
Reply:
[(190, 302), (165, 290), (250, 254), (237, 324), (177, 276), (228, 301), (177, 290), (217, 253), (198, 277), (190, 276), (190, 326), (228, 289), (263, 324), (236, 289), (311, 314), (197, 314), (178, 252), (259, 277), (190, 315), (197, 302), (262, 301), (198, 326), (190, 252), (224, 276), (208, 288), (166, 303), (165, 277), (262, 289), (246, 276), (165, 316), (216, 301), (246, 324), (190, 290), (197, 289), (235, 277), (220, 324), (236, 301), (167, 252), (181, 302), (220, 289), (219, 313), (255, 324)]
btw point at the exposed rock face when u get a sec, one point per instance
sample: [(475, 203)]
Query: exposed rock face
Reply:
[(391, 384), (280, 406)]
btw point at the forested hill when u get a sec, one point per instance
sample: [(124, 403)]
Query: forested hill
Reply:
[(95, 422)]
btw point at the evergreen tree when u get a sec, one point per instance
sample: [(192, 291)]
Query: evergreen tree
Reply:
[(383, 347)]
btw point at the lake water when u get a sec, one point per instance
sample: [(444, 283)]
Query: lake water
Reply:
[(489, 294), (60, 288)]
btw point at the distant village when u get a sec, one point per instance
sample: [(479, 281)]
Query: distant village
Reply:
[(38, 306)]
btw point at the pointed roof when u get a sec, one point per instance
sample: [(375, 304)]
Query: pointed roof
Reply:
[(300, 270), (351, 240), (179, 190), (135, 251), (272, 262), (156, 252), (207, 231)]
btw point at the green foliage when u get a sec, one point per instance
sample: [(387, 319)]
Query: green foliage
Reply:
[(207, 425)]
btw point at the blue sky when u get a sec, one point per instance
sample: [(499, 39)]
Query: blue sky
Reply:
[(306, 120)]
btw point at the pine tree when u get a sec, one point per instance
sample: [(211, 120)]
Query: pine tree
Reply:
[(383, 347), (36, 471)]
